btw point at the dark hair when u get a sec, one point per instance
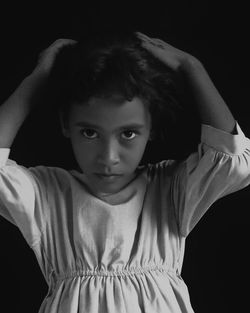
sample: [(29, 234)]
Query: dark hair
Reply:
[(102, 64)]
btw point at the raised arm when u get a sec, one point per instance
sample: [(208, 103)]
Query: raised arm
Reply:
[(16, 108), (210, 105)]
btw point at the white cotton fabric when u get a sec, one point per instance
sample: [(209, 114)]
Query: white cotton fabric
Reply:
[(122, 253)]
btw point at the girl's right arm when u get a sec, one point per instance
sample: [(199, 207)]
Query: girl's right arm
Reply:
[(24, 191), (16, 108)]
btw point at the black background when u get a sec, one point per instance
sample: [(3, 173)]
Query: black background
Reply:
[(216, 259)]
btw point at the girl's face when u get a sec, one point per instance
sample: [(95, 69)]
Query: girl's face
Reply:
[(108, 138)]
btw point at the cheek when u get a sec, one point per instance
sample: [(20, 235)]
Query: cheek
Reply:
[(135, 153), (84, 153)]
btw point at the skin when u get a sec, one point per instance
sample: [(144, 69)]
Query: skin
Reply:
[(210, 105), (104, 140), (14, 111)]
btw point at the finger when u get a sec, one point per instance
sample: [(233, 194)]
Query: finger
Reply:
[(55, 47), (143, 36), (158, 41), (63, 42), (145, 40), (151, 41), (155, 41)]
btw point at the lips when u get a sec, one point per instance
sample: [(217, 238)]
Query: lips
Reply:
[(108, 177)]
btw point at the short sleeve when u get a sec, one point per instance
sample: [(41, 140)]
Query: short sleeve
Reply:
[(23, 199), (220, 166)]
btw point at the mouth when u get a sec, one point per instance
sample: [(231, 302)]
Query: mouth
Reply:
[(108, 177)]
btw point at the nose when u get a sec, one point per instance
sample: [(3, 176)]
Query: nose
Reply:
[(109, 154)]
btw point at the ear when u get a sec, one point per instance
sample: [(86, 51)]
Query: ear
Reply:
[(64, 127)]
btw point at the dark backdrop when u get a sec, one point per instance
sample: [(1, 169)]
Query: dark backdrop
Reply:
[(216, 260)]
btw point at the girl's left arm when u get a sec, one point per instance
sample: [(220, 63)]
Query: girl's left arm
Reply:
[(210, 105), (221, 164)]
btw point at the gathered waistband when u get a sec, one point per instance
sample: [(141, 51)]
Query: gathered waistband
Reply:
[(122, 272)]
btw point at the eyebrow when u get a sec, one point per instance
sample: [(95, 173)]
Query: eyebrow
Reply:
[(128, 126)]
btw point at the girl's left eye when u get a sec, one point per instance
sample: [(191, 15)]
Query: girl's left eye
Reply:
[(128, 134), (89, 133)]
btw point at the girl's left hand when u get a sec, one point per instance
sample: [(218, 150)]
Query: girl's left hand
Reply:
[(169, 55)]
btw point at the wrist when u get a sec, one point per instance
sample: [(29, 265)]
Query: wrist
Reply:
[(38, 74), (30, 85)]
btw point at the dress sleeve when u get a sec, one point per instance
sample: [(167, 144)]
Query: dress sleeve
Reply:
[(220, 166), (22, 197)]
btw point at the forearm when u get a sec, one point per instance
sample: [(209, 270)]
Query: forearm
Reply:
[(16, 108), (210, 105)]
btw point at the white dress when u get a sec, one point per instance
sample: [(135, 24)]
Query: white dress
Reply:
[(122, 253)]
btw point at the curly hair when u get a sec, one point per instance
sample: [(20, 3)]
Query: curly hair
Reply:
[(107, 63)]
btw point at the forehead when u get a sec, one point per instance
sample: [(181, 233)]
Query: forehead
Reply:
[(110, 112)]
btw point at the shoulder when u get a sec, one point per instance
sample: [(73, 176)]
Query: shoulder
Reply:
[(163, 168), (51, 176)]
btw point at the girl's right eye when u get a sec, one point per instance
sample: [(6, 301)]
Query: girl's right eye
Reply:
[(88, 133)]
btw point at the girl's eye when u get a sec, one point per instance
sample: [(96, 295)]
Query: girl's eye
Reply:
[(128, 134), (89, 133)]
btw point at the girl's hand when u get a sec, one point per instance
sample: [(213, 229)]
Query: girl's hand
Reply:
[(212, 109), (169, 55), (47, 57)]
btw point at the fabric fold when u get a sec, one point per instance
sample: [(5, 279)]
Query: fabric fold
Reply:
[(223, 141)]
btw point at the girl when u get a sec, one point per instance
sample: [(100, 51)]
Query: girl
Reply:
[(110, 236)]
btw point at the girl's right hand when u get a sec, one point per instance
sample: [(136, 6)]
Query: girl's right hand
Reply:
[(47, 57)]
